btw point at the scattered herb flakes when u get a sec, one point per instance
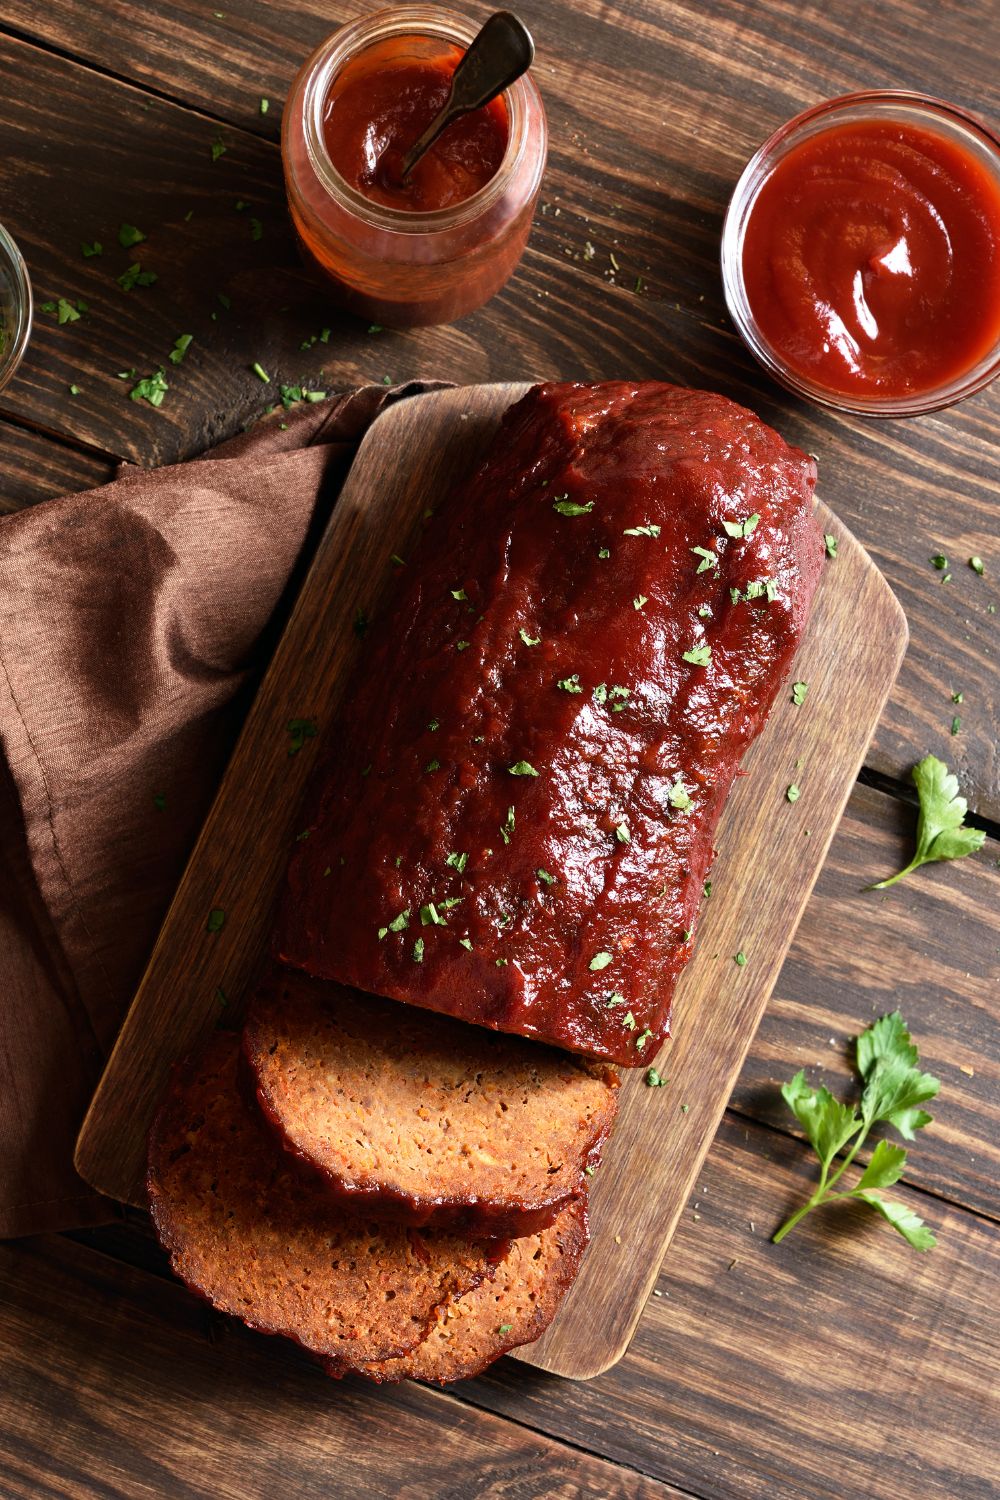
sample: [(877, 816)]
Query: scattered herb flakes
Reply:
[(957, 697), (685, 1108), (260, 372), (740, 959), (216, 920), (89, 251), (418, 951), (642, 1039), (945, 577), (604, 552), (74, 390), (521, 768), (977, 565), (129, 235), (506, 829), (570, 684), (432, 765), (375, 328), (941, 833), (679, 796), (622, 834), (506, 1328), (698, 656), (654, 1080), (159, 802), (529, 640), (460, 595), (600, 961), (646, 529), (434, 725), (181, 347), (256, 229), (614, 261), (614, 999), (939, 561), (218, 148), (831, 544), (264, 106), (387, 380), (956, 724), (462, 645), (709, 559), (793, 793), (640, 601), (567, 507), (799, 691), (465, 943), (706, 889), (398, 924), (742, 529), (431, 917), (893, 1089), (457, 861), (134, 276), (545, 877), (501, 963), (152, 389), (64, 310), (704, 611), (299, 731)]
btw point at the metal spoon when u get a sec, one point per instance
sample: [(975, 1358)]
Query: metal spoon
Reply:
[(498, 56)]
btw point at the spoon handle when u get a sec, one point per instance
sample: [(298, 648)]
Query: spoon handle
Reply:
[(501, 52)]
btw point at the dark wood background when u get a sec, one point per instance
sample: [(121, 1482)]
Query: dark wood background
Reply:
[(840, 1364)]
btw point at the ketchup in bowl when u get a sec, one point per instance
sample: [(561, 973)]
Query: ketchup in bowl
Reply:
[(439, 245), (862, 254)]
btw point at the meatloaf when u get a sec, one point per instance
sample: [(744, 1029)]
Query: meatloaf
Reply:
[(516, 816), (512, 1309), (249, 1232), (414, 1116)]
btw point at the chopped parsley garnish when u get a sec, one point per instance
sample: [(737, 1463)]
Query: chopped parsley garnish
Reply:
[(600, 961), (567, 507), (128, 236), (218, 148), (134, 276), (740, 959), (799, 691), (529, 640), (96, 248), (216, 920), (622, 834), (398, 924), (709, 559), (545, 877), (654, 1080), (256, 229), (648, 529), (432, 765), (462, 645), (418, 951), (431, 917), (521, 768), (457, 861), (570, 684), (506, 829), (793, 793), (181, 347), (831, 544), (977, 565), (604, 552), (465, 943), (639, 601), (265, 105), (260, 372), (451, 901), (501, 963), (679, 797), (628, 1021), (706, 889), (459, 594), (152, 389), (642, 1039), (65, 312), (939, 561), (698, 656), (614, 999), (506, 1328), (956, 724), (957, 697), (704, 611), (300, 730), (742, 528), (941, 833), (74, 390), (434, 725)]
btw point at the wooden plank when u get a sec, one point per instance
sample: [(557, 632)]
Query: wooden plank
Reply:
[(238, 863), (838, 1365), (119, 1384), (643, 173), (36, 467), (929, 947)]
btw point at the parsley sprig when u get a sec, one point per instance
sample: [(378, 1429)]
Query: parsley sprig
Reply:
[(941, 833), (894, 1088)]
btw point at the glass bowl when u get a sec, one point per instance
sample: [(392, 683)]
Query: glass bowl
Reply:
[(934, 115), (15, 307)]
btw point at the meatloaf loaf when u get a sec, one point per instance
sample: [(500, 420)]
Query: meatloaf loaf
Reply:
[(417, 1117), (516, 817), (257, 1238)]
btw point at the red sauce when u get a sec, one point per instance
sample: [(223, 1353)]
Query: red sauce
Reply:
[(377, 107), (871, 259)]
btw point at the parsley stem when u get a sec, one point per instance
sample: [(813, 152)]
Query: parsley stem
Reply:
[(824, 1188), (882, 885)]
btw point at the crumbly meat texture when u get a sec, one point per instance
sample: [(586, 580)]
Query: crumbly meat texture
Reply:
[(252, 1234), (516, 815), (515, 1308), (417, 1117)]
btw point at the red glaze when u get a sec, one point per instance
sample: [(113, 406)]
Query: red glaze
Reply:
[(871, 259), (380, 103), (640, 455)]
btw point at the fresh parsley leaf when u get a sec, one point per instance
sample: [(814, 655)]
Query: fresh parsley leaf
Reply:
[(831, 544), (570, 684), (654, 1080), (465, 943), (939, 561), (265, 105), (181, 347), (698, 656), (567, 507), (134, 276), (742, 528), (600, 961), (799, 691), (218, 148), (894, 1086), (95, 248), (418, 951), (679, 796), (128, 236), (941, 833), (640, 601), (604, 552), (431, 917), (956, 724), (462, 645), (740, 959), (708, 559), (74, 390), (622, 834), (648, 529), (459, 594), (300, 730), (977, 565), (66, 312), (792, 793), (152, 389), (457, 861), (545, 877), (216, 920), (529, 640), (521, 768)]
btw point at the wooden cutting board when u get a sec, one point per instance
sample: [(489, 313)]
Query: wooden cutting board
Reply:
[(769, 854)]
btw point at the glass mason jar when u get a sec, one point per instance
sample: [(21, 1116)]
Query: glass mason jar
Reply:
[(391, 265), (15, 307)]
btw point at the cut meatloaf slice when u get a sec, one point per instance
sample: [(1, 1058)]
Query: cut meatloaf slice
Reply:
[(418, 1117), (258, 1239), (515, 1308)]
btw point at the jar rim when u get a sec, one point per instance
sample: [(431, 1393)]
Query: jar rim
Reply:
[(13, 268), (960, 125), (351, 40)]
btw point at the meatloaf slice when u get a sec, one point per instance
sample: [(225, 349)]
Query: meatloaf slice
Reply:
[(252, 1234), (418, 1117), (515, 1308)]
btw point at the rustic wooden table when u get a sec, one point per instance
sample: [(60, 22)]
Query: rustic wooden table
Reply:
[(840, 1364)]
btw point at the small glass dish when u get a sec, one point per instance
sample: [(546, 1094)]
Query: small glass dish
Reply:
[(15, 307), (936, 116)]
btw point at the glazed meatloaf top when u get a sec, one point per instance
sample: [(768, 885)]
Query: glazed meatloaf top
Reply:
[(517, 810), (512, 1309), (420, 1117), (248, 1231)]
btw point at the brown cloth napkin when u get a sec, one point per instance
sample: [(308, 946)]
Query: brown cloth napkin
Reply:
[(134, 624)]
